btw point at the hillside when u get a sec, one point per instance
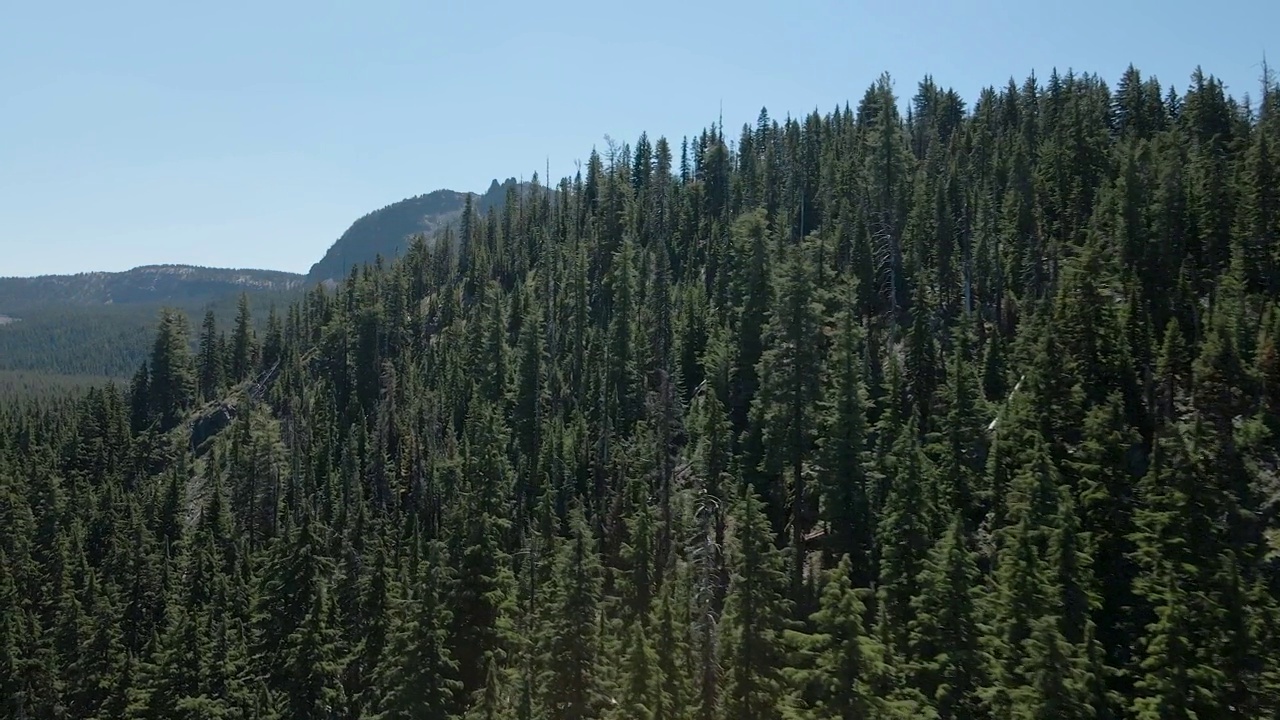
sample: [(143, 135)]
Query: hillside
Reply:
[(101, 324), (178, 285), (385, 232), (967, 413)]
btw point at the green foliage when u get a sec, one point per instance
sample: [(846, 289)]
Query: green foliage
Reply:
[(755, 617), (835, 682), (419, 676), (385, 233), (964, 414)]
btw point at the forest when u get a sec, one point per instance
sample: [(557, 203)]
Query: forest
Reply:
[(916, 408), (58, 335)]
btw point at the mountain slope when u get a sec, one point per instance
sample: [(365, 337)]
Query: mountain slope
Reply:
[(101, 323), (875, 417), (181, 285), (384, 232)]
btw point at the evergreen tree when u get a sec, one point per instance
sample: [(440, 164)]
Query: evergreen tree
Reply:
[(573, 688), (311, 664), (172, 386), (1000, 381), (946, 636), (842, 651), (418, 677), (755, 618), (844, 502), (784, 407), (242, 342), (903, 537), (639, 696), (209, 362)]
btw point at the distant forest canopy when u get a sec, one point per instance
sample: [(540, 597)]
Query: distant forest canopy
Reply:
[(967, 411), (60, 337), (183, 285)]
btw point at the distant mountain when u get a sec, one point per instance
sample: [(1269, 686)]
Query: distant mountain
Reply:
[(102, 324), (178, 285), (386, 232)]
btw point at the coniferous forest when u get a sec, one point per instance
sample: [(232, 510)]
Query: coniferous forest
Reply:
[(922, 407)]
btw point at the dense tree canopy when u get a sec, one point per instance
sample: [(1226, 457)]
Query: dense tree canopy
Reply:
[(906, 410)]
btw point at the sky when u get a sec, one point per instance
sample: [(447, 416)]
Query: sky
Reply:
[(252, 134)]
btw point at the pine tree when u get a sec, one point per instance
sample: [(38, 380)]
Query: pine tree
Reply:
[(289, 597), (483, 587), (172, 678), (950, 663), (1179, 546), (573, 689), (638, 697), (419, 677), (844, 504), (1006, 373), (1168, 687), (172, 387), (673, 695), (372, 630), (903, 538), (311, 664), (494, 701), (1056, 689), (638, 554), (783, 408), (1106, 501), (100, 664), (209, 362), (755, 618), (966, 445), (242, 342), (751, 300), (842, 651)]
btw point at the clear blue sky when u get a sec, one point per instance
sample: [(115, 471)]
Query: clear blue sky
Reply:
[(251, 134)]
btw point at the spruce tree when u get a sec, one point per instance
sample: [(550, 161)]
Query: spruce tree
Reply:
[(844, 503), (842, 651), (572, 686), (946, 636), (209, 362), (419, 677), (755, 617)]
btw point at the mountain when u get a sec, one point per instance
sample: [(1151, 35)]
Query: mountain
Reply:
[(179, 285), (385, 232), (100, 324), (962, 414)]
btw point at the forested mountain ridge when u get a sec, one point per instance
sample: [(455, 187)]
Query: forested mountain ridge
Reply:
[(179, 285), (967, 413), (101, 324), (105, 341), (387, 232)]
